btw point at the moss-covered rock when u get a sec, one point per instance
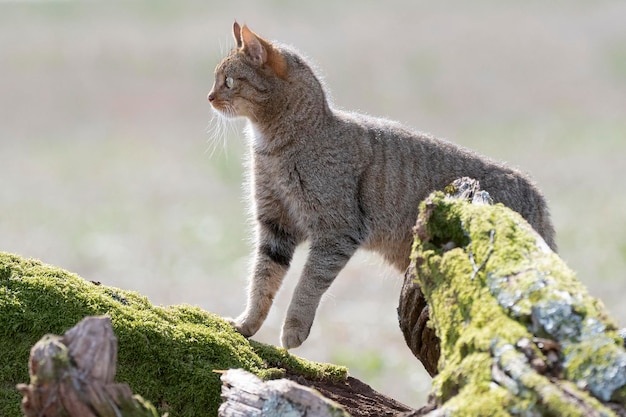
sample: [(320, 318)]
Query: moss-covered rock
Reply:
[(166, 354), (519, 334)]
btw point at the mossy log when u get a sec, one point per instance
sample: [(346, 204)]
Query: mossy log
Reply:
[(509, 328), (72, 376), (166, 354)]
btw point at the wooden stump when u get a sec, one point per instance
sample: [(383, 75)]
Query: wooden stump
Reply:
[(72, 376)]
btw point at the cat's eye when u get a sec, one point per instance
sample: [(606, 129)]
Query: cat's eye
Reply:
[(229, 82)]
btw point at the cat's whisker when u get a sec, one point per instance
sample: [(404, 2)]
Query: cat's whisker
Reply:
[(232, 126), (217, 130), (221, 45), (221, 127)]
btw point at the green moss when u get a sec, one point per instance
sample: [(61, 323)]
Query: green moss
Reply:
[(166, 354), (498, 286), (281, 362)]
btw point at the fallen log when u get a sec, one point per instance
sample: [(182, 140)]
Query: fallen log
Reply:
[(73, 376), (166, 354), (500, 319)]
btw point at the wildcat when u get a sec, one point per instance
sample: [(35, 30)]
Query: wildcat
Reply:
[(340, 180)]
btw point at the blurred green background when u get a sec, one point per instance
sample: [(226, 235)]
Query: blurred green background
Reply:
[(109, 168)]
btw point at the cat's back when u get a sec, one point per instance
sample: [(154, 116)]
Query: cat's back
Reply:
[(397, 154), (399, 159), (402, 166)]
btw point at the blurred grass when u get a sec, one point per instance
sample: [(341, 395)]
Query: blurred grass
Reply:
[(108, 169)]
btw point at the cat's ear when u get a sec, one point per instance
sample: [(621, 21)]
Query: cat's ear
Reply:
[(253, 46), (262, 53), (237, 34)]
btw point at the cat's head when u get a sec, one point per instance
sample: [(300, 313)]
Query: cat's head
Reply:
[(245, 79)]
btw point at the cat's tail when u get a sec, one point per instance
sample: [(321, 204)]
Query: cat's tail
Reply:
[(546, 228), (540, 218)]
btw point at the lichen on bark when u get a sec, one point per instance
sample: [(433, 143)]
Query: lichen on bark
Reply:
[(519, 334)]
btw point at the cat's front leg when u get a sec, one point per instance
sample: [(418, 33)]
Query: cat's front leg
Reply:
[(274, 250), (326, 258)]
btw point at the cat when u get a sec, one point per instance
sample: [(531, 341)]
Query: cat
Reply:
[(338, 179)]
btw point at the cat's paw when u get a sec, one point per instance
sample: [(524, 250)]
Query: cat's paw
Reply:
[(294, 333), (241, 326)]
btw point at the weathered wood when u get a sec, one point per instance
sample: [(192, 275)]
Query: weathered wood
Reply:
[(247, 395), (515, 331), (72, 376)]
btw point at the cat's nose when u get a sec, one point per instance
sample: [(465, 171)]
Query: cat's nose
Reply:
[(211, 96)]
